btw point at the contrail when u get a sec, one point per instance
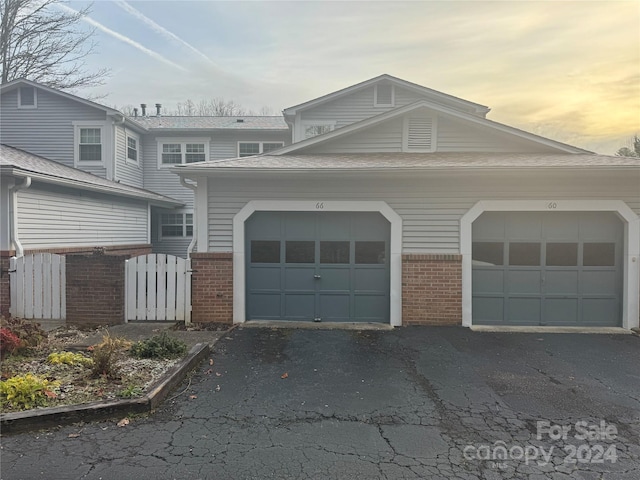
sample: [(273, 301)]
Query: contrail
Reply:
[(160, 29), (124, 39)]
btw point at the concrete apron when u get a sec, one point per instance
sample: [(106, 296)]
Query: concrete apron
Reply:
[(315, 325), (540, 329)]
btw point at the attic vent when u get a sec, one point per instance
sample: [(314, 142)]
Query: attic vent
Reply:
[(384, 95), (420, 134)]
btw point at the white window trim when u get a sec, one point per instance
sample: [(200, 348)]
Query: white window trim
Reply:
[(183, 141), (183, 212), (105, 139), (434, 136), (239, 259), (375, 97), (261, 143), (313, 123), (130, 134), (631, 259), (35, 98)]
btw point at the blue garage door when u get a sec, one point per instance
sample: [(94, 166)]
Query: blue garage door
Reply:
[(557, 269), (317, 266)]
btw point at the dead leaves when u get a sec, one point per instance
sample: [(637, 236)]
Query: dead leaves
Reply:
[(284, 375), (124, 422), (193, 397), (211, 361)]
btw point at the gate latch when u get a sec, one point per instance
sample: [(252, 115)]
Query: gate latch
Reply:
[(317, 319)]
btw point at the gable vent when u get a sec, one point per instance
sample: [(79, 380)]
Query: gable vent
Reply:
[(420, 134)]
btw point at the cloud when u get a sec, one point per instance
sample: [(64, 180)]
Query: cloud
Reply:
[(124, 39), (161, 30)]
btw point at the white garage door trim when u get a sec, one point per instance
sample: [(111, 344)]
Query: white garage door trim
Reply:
[(630, 298), (239, 306)]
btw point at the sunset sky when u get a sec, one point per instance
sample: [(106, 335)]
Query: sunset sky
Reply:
[(566, 70)]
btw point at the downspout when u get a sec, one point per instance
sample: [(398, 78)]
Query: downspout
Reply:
[(194, 188), (13, 212)]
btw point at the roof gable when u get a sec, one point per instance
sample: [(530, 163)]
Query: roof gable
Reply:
[(429, 94)]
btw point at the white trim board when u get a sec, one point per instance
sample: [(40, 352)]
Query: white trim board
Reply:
[(631, 284), (395, 247)]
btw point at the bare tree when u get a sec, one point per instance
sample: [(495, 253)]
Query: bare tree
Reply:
[(44, 43), (216, 107), (630, 152)]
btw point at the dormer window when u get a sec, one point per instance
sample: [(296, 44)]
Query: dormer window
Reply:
[(27, 97), (384, 95)]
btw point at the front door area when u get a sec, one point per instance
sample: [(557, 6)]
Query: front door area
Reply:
[(317, 266)]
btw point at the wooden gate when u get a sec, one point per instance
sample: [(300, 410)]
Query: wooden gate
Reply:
[(37, 283), (158, 288)]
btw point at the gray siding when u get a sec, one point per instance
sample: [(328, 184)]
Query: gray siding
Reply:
[(431, 207), (127, 172), (54, 217), (48, 129)]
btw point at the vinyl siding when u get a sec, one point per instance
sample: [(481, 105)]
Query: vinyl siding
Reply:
[(46, 130), (431, 207), (127, 171), (55, 217)]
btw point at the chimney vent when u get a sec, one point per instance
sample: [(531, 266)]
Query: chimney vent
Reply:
[(158, 107), (143, 106), (135, 112)]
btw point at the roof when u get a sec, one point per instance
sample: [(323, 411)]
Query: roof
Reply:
[(20, 163), (480, 109), (207, 123), (362, 162)]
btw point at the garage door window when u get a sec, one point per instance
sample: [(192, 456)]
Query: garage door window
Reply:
[(488, 253), (599, 255), (265, 251), (300, 252), (334, 252), (370, 252), (524, 254), (562, 255)]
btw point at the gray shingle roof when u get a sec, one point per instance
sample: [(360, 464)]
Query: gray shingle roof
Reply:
[(415, 161), (221, 123), (54, 172)]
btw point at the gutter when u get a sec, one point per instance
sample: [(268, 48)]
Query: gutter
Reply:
[(13, 212), (193, 188)]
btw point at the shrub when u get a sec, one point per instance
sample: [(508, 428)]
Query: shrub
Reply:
[(159, 346), (130, 392), (29, 333), (69, 358), (105, 355), (9, 342), (27, 391)]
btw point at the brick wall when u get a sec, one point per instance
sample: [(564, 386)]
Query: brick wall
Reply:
[(431, 289), (212, 287), (5, 293), (95, 289)]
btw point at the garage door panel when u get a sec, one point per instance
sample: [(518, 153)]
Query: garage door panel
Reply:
[(519, 227), (370, 279), (300, 278), (299, 306), (524, 311), (492, 226), (524, 281), (264, 278), (561, 311), (488, 281), (334, 279), (371, 308), (488, 310), (600, 311), (299, 225), (264, 306), (561, 226), (599, 282), (561, 282), (334, 307)]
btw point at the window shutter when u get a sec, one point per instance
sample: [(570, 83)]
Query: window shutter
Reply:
[(420, 133)]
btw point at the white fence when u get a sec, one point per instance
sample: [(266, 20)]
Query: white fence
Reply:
[(158, 288), (37, 284)]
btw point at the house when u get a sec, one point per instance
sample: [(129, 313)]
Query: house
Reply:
[(395, 203), (137, 152)]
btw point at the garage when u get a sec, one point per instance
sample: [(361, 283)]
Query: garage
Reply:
[(317, 266), (547, 268)]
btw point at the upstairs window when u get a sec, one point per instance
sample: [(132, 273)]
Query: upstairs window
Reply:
[(132, 148), (90, 146), (246, 149), (384, 95), (177, 152), (176, 225), (27, 97)]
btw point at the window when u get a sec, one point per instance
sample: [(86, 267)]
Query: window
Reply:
[(300, 251), (176, 225), (599, 254), (90, 146), (246, 149), (179, 151), (27, 97), (132, 148), (562, 255), (487, 253), (370, 252), (265, 251), (384, 95), (524, 254)]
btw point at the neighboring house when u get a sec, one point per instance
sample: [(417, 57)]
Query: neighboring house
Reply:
[(403, 205), (46, 206), (134, 151)]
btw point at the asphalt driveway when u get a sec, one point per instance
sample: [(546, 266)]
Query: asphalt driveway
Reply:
[(411, 403)]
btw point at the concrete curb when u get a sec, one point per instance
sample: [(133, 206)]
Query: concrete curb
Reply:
[(53, 416)]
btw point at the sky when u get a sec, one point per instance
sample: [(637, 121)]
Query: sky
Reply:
[(567, 70)]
